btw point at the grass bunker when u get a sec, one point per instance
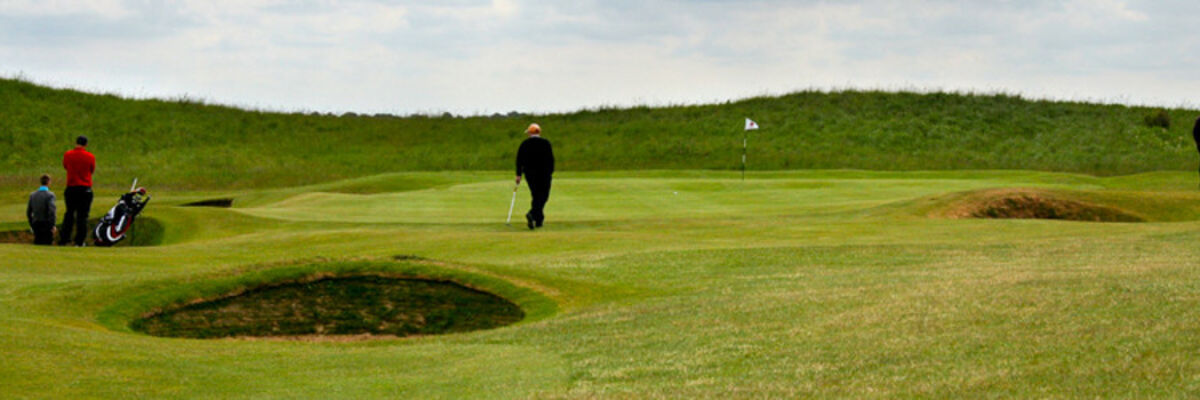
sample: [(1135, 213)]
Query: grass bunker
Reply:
[(1034, 204), (16, 236), (146, 231), (353, 305), (217, 203)]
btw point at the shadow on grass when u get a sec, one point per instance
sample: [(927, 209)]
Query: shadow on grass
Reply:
[(218, 203)]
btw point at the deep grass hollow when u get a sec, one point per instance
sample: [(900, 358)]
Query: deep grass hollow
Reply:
[(146, 231), (16, 236), (354, 305), (217, 203), (1033, 205)]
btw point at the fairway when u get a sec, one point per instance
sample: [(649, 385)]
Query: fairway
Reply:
[(643, 284)]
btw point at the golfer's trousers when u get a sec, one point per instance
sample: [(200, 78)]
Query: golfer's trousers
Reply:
[(79, 204), (539, 189), (43, 232)]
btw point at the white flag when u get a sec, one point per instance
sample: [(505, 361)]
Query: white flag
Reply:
[(751, 125)]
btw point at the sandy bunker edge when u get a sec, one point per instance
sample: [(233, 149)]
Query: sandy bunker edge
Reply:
[(335, 305), (1034, 204)]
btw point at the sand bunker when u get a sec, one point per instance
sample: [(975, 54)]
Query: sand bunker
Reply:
[(24, 236), (1030, 204), (357, 305)]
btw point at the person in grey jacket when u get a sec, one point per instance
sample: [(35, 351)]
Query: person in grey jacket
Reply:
[(41, 213)]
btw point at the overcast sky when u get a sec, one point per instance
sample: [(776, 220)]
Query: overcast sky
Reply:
[(485, 56)]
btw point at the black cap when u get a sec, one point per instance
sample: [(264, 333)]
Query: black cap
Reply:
[(81, 140)]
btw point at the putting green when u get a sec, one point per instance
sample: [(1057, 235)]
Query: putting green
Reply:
[(688, 284)]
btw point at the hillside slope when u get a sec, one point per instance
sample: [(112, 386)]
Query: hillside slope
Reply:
[(187, 144)]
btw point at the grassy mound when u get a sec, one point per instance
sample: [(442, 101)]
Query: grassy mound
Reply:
[(338, 306), (1032, 205), (1036, 204), (1113, 202), (146, 231), (185, 144)]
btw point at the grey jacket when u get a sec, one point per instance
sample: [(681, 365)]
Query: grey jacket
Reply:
[(41, 207)]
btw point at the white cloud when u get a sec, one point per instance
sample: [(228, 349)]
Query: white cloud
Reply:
[(99, 8), (499, 55), (1099, 12), (504, 8)]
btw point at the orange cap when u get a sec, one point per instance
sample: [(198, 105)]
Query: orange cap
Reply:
[(533, 129)]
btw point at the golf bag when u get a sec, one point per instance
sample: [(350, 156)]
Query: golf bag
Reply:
[(114, 225)]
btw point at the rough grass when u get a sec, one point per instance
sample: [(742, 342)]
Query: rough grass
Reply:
[(189, 145)]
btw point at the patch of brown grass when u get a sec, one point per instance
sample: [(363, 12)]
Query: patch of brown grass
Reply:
[(1035, 204), (21, 237)]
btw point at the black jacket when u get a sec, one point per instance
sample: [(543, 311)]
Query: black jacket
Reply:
[(1196, 133), (535, 157)]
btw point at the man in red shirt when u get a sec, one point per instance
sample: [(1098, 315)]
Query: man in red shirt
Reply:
[(80, 165)]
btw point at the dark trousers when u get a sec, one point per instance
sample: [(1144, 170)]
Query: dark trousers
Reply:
[(79, 204), (43, 232), (539, 188)]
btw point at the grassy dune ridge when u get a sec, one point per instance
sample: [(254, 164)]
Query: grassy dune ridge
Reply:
[(188, 144)]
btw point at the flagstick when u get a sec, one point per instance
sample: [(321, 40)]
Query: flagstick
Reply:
[(746, 134)]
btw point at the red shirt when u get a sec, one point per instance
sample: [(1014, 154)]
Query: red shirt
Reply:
[(79, 164)]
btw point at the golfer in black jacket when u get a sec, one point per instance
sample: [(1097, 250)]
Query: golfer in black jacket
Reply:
[(1196, 133), (535, 160)]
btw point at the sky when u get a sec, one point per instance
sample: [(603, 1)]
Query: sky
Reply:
[(473, 57)]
